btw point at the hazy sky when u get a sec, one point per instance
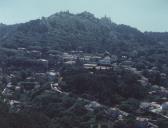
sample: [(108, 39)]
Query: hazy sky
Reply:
[(150, 15)]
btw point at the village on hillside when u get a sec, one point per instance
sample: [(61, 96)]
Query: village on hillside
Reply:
[(34, 70)]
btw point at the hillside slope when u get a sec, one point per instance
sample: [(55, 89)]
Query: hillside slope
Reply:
[(68, 31)]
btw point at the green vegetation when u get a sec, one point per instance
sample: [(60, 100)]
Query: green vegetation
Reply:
[(41, 90)]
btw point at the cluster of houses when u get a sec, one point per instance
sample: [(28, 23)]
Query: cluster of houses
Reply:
[(103, 60), (115, 114), (48, 63), (53, 58), (160, 92), (14, 93), (155, 109)]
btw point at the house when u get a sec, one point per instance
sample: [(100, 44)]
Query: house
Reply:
[(92, 106), (86, 58), (51, 75), (43, 61), (30, 79), (151, 107), (76, 52), (18, 90), (127, 63), (89, 66), (89, 58), (124, 57), (35, 54), (42, 64), (22, 51), (70, 62), (54, 52), (164, 106), (95, 59), (106, 61), (68, 57)]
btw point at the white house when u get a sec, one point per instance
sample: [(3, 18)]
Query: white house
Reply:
[(165, 106)]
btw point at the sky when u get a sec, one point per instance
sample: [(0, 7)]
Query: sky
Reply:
[(146, 15)]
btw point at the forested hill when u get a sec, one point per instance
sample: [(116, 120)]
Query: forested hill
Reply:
[(160, 37), (68, 31)]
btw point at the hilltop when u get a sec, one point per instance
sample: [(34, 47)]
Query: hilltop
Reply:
[(67, 31)]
